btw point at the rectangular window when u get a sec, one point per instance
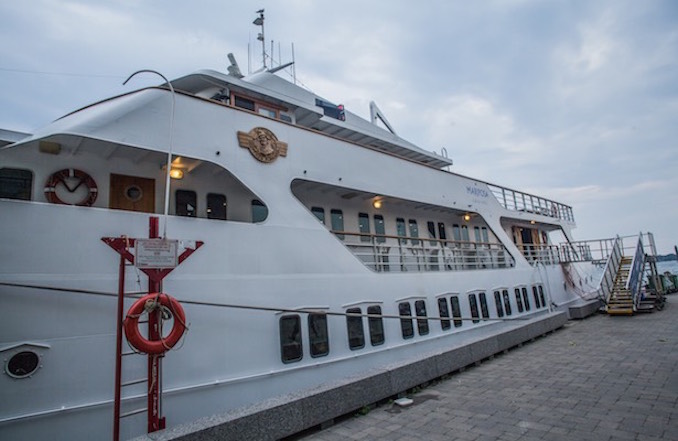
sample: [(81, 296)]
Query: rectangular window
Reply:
[(456, 311), (486, 238), (354, 325), (319, 212), (186, 203), (259, 211), (406, 323), (401, 229), (473, 303), (442, 235), (216, 206), (337, 219), (244, 103), (483, 305), (519, 300), (364, 226), (497, 301), (444, 312), (526, 299), (541, 295), (476, 234), (379, 228), (376, 325), (422, 323), (507, 302), (456, 232), (536, 297), (267, 112), (290, 338), (431, 227), (16, 183), (317, 335), (464, 233), (414, 231)]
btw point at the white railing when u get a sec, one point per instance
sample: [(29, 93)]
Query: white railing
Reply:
[(520, 201), (384, 253), (612, 266)]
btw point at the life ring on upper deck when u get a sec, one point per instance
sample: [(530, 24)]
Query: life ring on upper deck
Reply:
[(150, 303), (72, 179)]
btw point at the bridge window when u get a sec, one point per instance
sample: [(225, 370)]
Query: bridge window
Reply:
[(519, 300), (290, 338), (376, 325), (364, 226), (422, 323), (483, 306), (317, 335), (337, 219), (406, 322), (456, 311), (497, 301), (319, 212), (216, 206), (354, 325), (16, 183), (186, 203), (259, 211), (444, 312)]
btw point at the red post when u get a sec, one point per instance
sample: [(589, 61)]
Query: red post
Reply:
[(155, 420)]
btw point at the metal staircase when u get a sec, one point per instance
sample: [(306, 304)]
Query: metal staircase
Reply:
[(620, 300)]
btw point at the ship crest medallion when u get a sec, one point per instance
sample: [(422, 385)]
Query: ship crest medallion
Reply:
[(262, 144)]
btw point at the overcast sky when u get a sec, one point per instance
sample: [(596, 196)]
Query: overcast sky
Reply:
[(575, 101)]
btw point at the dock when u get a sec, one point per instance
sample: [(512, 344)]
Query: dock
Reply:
[(602, 378)]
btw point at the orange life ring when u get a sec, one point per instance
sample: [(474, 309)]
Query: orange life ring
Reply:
[(131, 324), (61, 177)]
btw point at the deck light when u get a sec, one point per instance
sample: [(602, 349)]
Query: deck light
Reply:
[(176, 173), (377, 203), (467, 217)]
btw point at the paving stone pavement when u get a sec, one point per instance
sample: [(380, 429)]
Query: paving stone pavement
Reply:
[(602, 378)]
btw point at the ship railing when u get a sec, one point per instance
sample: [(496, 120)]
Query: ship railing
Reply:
[(525, 202), (544, 254), (384, 253), (599, 250)]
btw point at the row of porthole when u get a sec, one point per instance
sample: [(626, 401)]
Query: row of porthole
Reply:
[(22, 364), (290, 325)]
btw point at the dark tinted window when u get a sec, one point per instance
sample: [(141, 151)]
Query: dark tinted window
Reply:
[(376, 325), (290, 338), (406, 323), (442, 235), (354, 325), (456, 311), (364, 226), (319, 212), (317, 335), (519, 300), (536, 297), (244, 103), (259, 211), (337, 219), (422, 323), (379, 228), (216, 206), (526, 299), (414, 231), (507, 302), (497, 301), (16, 183), (473, 303), (431, 227), (400, 229), (186, 202), (541, 295), (483, 305), (444, 311)]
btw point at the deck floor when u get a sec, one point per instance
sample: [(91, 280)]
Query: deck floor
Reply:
[(603, 378)]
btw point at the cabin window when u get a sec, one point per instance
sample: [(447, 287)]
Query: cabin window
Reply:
[(186, 202), (406, 322), (422, 323), (486, 237), (536, 297), (244, 103), (507, 302), (337, 219), (497, 301), (401, 229), (456, 232), (464, 233), (442, 235), (319, 212), (216, 206), (483, 306), (376, 325), (317, 335), (444, 312), (473, 303), (364, 227), (16, 183), (414, 231), (456, 311), (541, 295), (476, 234), (379, 228), (526, 299), (519, 300), (431, 227), (354, 325), (259, 211), (290, 338)]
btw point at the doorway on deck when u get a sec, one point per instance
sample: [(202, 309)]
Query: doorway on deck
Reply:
[(132, 193)]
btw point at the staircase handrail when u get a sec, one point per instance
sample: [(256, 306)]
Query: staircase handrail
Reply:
[(633, 284), (610, 271)]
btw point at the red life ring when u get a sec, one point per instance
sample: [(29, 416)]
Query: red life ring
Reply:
[(71, 175), (152, 302)]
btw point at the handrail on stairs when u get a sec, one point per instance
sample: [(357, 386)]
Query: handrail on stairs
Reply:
[(612, 266), (635, 279)]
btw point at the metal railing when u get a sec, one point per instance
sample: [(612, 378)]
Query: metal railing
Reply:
[(612, 266), (519, 201), (635, 280), (544, 254), (383, 253)]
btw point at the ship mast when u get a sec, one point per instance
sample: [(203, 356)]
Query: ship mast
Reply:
[(259, 21)]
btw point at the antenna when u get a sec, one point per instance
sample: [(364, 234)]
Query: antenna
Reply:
[(259, 21)]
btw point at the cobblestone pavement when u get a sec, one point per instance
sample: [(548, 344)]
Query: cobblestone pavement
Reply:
[(603, 378)]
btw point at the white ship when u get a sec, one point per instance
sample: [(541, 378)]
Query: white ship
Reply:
[(332, 250)]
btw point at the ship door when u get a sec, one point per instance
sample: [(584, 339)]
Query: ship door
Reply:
[(132, 193)]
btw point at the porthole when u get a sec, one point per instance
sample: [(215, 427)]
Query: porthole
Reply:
[(134, 193), (22, 364)]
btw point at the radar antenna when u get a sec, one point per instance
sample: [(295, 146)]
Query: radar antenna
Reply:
[(259, 21)]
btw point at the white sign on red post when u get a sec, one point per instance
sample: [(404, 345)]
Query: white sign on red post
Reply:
[(156, 253)]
